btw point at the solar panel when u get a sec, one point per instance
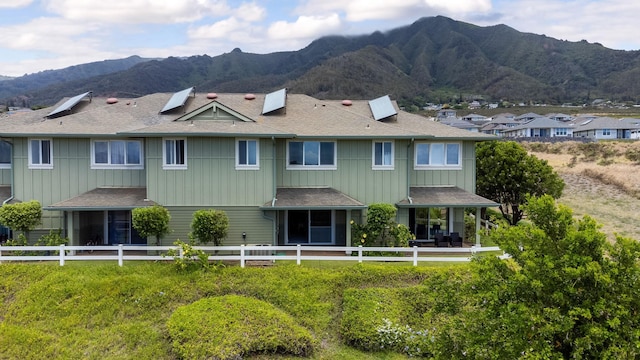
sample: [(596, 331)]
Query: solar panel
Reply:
[(178, 99), (274, 101), (69, 104), (382, 108)]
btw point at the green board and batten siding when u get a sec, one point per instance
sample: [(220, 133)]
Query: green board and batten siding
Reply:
[(211, 178)]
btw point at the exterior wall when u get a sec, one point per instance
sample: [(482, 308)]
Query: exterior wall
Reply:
[(211, 177), (250, 220), (464, 178), (71, 174), (600, 134), (5, 177), (354, 175)]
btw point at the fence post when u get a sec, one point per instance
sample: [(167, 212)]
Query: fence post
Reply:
[(415, 255), (359, 253), (61, 254), (120, 254), (298, 254), (180, 252), (242, 256)]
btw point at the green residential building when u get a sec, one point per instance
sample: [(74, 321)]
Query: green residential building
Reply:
[(286, 168)]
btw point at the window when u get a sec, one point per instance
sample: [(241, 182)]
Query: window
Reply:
[(383, 155), (606, 132), (174, 154), (437, 155), (311, 155), (40, 154), (247, 155), (5, 155), (117, 154), (561, 131)]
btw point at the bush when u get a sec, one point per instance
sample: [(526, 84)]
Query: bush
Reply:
[(209, 226), (381, 228), (232, 327), (151, 221), (186, 258)]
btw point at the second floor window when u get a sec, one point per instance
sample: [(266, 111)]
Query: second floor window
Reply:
[(247, 154), (174, 154), (383, 155), (437, 155), (311, 155), (40, 154), (119, 154)]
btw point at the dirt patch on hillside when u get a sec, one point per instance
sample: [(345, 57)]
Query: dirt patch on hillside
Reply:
[(602, 180)]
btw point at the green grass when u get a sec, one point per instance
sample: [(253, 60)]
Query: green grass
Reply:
[(89, 310)]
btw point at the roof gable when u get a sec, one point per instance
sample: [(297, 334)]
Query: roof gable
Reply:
[(214, 111)]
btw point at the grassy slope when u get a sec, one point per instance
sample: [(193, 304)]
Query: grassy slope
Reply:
[(601, 181), (102, 311)]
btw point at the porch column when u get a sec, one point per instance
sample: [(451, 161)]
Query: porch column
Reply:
[(478, 220), (348, 239), (68, 217)]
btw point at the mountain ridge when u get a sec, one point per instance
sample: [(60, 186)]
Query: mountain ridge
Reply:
[(434, 58)]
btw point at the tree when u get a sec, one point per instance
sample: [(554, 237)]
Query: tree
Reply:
[(565, 293), (381, 228), (151, 221), (23, 216), (209, 226), (506, 174)]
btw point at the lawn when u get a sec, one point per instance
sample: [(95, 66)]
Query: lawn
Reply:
[(89, 310)]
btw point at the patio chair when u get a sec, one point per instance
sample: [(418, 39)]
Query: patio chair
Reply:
[(440, 240), (456, 240)]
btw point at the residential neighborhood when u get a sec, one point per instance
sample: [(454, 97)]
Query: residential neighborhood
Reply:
[(286, 168), (553, 125)]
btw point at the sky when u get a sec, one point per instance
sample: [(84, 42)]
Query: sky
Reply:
[(54, 34)]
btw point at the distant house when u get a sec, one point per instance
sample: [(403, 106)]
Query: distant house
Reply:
[(540, 127), (499, 124), (559, 117), (445, 114), (527, 117), (600, 128), (287, 169), (461, 124), (475, 118)]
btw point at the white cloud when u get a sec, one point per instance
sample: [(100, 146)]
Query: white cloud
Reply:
[(251, 12), (221, 29), (305, 27), (137, 11), (363, 10), (14, 3), (48, 34)]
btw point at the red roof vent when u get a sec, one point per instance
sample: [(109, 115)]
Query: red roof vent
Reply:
[(347, 102), (112, 100), (212, 96), (249, 97)]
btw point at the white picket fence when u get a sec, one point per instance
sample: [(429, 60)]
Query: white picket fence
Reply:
[(243, 253)]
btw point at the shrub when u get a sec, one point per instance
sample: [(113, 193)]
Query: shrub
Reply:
[(186, 258), (381, 228), (209, 226), (23, 216), (233, 327), (151, 221)]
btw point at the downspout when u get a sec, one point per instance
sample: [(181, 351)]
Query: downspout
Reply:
[(409, 171)]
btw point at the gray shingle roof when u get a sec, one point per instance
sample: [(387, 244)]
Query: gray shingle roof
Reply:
[(121, 198), (441, 196), (304, 116), (312, 197)]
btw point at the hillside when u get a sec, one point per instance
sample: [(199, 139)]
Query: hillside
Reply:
[(601, 180), (435, 58)]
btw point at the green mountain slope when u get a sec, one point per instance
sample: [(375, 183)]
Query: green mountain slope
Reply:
[(429, 58)]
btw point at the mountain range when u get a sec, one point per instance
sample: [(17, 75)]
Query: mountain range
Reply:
[(434, 59)]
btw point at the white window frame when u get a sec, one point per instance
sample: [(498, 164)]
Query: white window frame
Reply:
[(111, 166), (255, 166), (437, 166), (383, 166), (302, 166), (170, 164), (561, 131), (9, 148), (606, 132), (41, 165)]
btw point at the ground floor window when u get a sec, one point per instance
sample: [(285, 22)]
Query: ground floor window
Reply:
[(316, 227), (425, 223), (108, 228)]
